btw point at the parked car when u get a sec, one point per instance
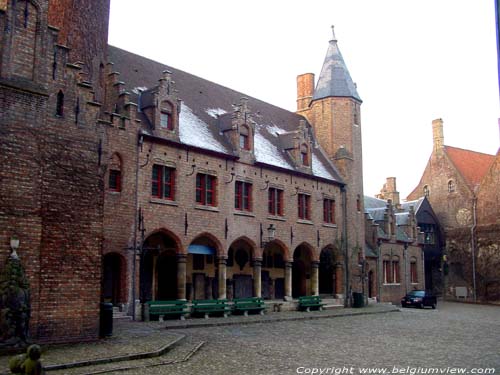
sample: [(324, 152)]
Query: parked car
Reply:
[(419, 298)]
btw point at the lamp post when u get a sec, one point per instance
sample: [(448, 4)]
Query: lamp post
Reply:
[(14, 245), (271, 233)]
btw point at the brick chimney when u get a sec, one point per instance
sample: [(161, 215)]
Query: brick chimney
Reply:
[(389, 191), (305, 90), (438, 135)]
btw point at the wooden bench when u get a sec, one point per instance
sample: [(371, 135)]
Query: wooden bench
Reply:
[(207, 307), (246, 305), (308, 302), (162, 308)]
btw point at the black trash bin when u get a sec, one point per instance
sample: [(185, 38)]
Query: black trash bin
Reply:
[(358, 299), (106, 320)]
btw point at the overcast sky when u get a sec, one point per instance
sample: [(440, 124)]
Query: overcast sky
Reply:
[(413, 61)]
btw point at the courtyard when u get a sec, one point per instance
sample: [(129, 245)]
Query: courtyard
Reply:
[(453, 337)]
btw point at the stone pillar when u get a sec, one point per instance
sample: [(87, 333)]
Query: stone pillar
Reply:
[(221, 262), (315, 278), (288, 280), (339, 280), (181, 276), (257, 280)]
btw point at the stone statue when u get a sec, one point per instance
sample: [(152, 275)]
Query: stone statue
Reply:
[(15, 309)]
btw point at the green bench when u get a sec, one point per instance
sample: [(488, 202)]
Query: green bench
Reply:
[(308, 302), (207, 307), (172, 308), (246, 305)]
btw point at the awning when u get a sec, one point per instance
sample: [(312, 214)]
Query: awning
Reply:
[(201, 249)]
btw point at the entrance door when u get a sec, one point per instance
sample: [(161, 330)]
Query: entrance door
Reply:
[(298, 278), (243, 286), (167, 277), (266, 285), (279, 288), (198, 286)]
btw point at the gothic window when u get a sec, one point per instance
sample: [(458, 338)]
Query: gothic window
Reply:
[(244, 138), (163, 182), (451, 186), (304, 206), (243, 196), (60, 104), (115, 173), (304, 155), (275, 201), (206, 193)]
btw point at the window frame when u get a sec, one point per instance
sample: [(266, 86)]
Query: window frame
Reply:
[(413, 272), (161, 183), (207, 187), (116, 176), (243, 196), (304, 206), (275, 201), (329, 211)]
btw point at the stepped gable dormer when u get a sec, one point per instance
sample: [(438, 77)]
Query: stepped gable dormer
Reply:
[(298, 145), (161, 107), (239, 129)]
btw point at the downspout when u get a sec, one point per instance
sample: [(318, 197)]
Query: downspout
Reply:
[(347, 288), (473, 246), (136, 205)]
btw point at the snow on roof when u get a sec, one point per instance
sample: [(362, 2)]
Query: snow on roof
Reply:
[(215, 112), (139, 89), (268, 153), (195, 132), (275, 130), (319, 169)]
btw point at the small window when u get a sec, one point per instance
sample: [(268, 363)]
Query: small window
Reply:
[(114, 182), (451, 186), (358, 204), (275, 202), (166, 116), (244, 138), (304, 155), (206, 193), (329, 211), (243, 196), (387, 271), (304, 206), (163, 182), (60, 104), (413, 271), (426, 191), (395, 270)]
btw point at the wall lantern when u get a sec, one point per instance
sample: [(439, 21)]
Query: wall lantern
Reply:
[(14, 245), (271, 232)]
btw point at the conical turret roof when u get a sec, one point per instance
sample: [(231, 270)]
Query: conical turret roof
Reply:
[(335, 79)]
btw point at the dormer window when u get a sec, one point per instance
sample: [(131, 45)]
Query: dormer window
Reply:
[(166, 116), (451, 186), (426, 191), (244, 138), (304, 155)]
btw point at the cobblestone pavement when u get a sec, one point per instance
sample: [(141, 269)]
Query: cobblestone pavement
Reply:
[(454, 335)]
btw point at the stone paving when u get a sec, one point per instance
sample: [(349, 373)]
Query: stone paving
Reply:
[(454, 335)]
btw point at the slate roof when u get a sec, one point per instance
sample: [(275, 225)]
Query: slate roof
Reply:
[(472, 165), (334, 79), (203, 101)]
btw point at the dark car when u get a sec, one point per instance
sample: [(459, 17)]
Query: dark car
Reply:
[(419, 298)]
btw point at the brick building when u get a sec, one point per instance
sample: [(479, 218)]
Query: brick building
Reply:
[(127, 180), (462, 187), (394, 249)]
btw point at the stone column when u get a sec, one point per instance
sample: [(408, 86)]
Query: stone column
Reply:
[(257, 280), (339, 280), (315, 278), (221, 262), (181, 276), (288, 280)]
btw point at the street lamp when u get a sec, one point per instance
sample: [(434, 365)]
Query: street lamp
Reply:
[(271, 232), (14, 245)]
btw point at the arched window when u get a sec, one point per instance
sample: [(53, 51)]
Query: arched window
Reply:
[(413, 270), (244, 138), (427, 191), (60, 104), (395, 270), (451, 186), (386, 262), (115, 173), (304, 154), (166, 120)]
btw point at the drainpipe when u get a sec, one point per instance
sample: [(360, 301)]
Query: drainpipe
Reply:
[(347, 287), (136, 205), (473, 246), (379, 270)]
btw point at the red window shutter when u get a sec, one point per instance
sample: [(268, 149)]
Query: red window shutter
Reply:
[(280, 202), (237, 195), (270, 201)]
